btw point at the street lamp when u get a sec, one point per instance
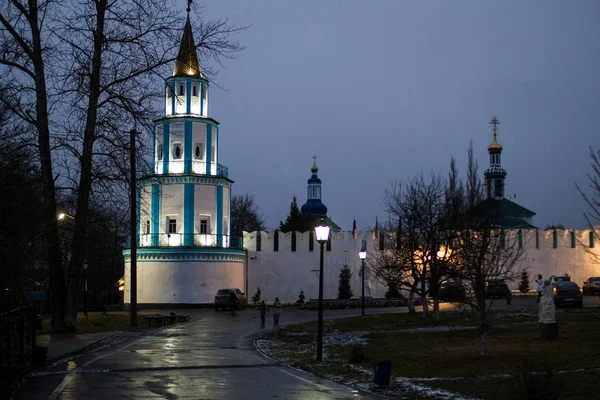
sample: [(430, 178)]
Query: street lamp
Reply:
[(322, 235), (62, 216), (363, 254)]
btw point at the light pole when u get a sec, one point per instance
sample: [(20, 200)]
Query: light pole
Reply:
[(322, 235), (363, 254), (133, 233), (62, 216), (85, 267)]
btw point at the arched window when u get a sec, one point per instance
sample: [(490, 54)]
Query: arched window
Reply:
[(147, 227), (195, 91), (160, 152), (198, 151), (177, 151), (181, 90)]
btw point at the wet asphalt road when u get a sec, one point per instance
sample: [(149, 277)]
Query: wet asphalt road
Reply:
[(210, 357)]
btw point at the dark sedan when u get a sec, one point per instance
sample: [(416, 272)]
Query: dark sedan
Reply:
[(451, 290), (567, 293), (497, 288)]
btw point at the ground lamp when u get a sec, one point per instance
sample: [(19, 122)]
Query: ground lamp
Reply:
[(363, 255), (322, 235)]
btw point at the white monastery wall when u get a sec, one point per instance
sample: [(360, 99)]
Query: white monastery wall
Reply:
[(284, 273)]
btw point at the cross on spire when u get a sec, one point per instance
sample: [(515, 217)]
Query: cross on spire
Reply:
[(314, 160), (189, 6), (494, 122)]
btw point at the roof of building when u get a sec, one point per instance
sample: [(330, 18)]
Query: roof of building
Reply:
[(502, 213), (187, 59), (314, 207)]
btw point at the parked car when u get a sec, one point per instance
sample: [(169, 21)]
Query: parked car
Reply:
[(563, 278), (497, 288), (567, 292), (222, 299), (450, 290), (591, 286)]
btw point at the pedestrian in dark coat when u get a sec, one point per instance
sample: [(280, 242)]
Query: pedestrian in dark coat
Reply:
[(263, 311), (233, 302)]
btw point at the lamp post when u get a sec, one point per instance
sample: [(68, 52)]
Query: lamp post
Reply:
[(363, 254), (85, 267), (322, 235), (133, 233)]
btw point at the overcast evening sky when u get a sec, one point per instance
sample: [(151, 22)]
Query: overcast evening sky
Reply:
[(381, 90)]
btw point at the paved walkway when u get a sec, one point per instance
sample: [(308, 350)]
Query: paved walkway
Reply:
[(210, 357), (63, 345)]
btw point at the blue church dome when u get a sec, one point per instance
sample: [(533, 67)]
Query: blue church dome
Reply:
[(314, 207)]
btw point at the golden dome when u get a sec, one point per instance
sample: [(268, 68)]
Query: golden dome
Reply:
[(495, 146), (314, 169)]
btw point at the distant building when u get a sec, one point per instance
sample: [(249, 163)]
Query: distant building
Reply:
[(502, 212), (314, 211)]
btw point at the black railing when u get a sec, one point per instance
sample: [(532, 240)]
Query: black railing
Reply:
[(189, 240), (17, 344)]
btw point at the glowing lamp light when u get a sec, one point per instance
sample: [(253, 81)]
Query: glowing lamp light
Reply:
[(322, 233), (61, 216), (362, 254)]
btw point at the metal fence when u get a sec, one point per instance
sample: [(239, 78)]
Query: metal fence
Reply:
[(17, 344)]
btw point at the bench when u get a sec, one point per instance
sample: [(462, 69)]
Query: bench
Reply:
[(159, 319), (179, 317)]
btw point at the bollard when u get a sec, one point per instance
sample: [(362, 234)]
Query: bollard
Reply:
[(383, 373)]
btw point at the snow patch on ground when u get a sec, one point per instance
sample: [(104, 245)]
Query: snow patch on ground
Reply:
[(422, 390)]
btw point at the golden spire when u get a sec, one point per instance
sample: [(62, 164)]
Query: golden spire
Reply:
[(495, 146), (187, 59), (314, 169)]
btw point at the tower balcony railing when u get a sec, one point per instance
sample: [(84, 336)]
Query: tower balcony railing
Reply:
[(196, 167), (191, 240)]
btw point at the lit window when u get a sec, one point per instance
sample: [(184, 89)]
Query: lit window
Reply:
[(172, 225), (203, 226)]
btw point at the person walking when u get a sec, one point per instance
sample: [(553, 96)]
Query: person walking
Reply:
[(263, 311), (233, 302), (277, 312), (540, 287)]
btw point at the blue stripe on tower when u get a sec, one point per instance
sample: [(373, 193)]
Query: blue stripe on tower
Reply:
[(166, 146), (217, 144), (154, 158), (187, 147), (208, 147), (201, 97), (188, 214), (155, 213), (188, 97), (138, 202), (173, 98), (219, 216)]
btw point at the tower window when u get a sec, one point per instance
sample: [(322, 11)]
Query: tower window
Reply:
[(213, 155), (172, 225), (199, 151), (204, 226), (181, 90), (168, 92), (160, 152), (195, 91), (177, 151), (147, 227), (498, 188)]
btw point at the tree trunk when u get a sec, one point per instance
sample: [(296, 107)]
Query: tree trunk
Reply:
[(411, 302), (436, 309), (55, 265), (85, 178), (484, 343)]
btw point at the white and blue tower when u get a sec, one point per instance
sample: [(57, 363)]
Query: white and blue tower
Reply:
[(185, 251)]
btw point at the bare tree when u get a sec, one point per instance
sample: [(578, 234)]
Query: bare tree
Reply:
[(593, 200), (74, 72), (245, 215), (474, 190), (416, 263), (485, 252)]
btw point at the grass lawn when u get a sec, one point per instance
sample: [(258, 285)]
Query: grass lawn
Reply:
[(96, 322), (449, 351)]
